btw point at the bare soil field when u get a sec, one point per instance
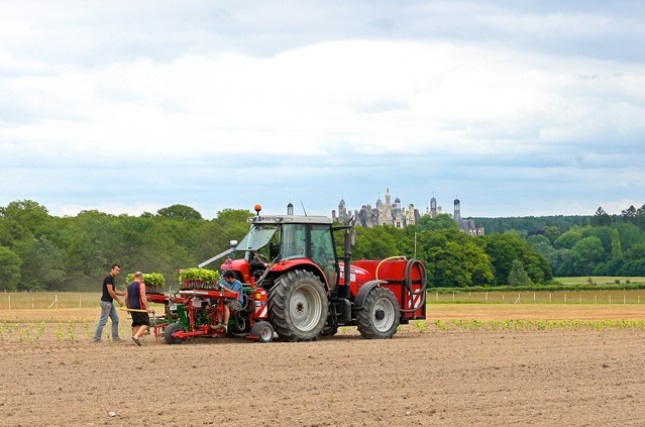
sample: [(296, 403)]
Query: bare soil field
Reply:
[(425, 376)]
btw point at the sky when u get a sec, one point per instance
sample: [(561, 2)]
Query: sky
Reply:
[(526, 108)]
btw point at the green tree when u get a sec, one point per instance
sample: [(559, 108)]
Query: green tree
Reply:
[(440, 222), (616, 248), (42, 265), (10, 232), (214, 237), (374, 243), (180, 212), (518, 276), (587, 254), (92, 241), (600, 218), (568, 239), (32, 217), (9, 269), (634, 261), (565, 265), (602, 232), (453, 258), (551, 232), (630, 234), (542, 246), (503, 249)]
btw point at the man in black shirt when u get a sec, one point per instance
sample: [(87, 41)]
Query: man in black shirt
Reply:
[(110, 293)]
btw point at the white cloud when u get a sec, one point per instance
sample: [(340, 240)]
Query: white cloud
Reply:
[(270, 99)]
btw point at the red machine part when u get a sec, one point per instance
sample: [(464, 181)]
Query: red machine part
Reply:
[(259, 299), (405, 278)]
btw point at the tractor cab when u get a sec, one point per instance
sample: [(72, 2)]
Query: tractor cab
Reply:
[(276, 244)]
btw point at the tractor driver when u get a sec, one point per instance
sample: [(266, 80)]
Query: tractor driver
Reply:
[(231, 284)]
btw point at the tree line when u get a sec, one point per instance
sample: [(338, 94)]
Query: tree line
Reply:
[(39, 251)]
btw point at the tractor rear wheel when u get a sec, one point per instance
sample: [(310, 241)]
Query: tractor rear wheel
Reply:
[(263, 331), (379, 316), (298, 306), (171, 329)]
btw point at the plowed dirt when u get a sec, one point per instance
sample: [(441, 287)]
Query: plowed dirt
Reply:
[(424, 376)]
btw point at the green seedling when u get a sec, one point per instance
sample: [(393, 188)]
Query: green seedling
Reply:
[(59, 332), (70, 331)]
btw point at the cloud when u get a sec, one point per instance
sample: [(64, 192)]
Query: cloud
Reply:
[(516, 108)]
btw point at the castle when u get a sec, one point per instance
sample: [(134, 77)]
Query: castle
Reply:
[(394, 214)]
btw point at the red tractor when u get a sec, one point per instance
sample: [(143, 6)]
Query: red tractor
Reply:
[(309, 292)]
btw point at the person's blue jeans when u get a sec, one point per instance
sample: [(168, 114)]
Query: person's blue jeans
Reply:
[(107, 310)]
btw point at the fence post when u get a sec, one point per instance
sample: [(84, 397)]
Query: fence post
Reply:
[(9, 302)]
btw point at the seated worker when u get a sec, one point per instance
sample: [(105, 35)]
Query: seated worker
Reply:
[(231, 284)]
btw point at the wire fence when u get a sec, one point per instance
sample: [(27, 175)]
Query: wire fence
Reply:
[(537, 297), (39, 300)]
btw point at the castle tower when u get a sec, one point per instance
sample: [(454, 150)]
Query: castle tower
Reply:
[(433, 207), (457, 214), (385, 210)]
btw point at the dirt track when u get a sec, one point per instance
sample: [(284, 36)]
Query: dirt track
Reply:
[(427, 378)]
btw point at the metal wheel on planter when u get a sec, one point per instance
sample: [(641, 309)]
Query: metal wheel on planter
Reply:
[(263, 331), (171, 329)]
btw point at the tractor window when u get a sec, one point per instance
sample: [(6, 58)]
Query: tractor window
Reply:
[(322, 246), (293, 241), (322, 251), (257, 238)]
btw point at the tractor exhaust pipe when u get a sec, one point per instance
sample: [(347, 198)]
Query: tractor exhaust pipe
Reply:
[(348, 242)]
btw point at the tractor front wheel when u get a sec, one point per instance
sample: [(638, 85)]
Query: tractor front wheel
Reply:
[(298, 306), (379, 316), (171, 329)]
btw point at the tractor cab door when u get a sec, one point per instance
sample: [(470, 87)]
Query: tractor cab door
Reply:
[(323, 252), (293, 241)]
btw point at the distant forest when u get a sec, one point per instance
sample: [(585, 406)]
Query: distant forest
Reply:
[(39, 251), (528, 224)]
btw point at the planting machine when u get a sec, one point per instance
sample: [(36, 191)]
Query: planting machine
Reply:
[(296, 287)]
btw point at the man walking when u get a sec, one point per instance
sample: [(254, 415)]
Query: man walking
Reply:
[(136, 301), (109, 294)]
